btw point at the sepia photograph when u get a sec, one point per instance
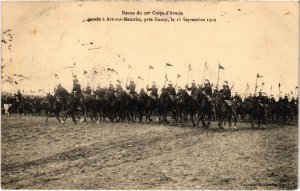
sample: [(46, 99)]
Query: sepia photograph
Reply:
[(149, 95)]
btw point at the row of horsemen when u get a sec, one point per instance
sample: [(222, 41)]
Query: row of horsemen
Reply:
[(235, 104)]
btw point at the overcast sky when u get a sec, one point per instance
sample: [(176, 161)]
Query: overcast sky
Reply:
[(247, 38)]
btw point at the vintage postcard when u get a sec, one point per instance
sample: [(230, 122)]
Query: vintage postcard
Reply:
[(149, 95)]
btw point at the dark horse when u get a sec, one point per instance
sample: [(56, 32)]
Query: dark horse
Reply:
[(127, 105), (145, 105), (225, 110), (69, 104), (166, 105), (258, 111), (185, 105), (205, 107), (51, 106)]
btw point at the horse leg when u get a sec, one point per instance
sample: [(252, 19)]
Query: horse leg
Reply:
[(220, 122), (73, 118), (57, 117), (202, 120), (47, 118), (209, 120), (229, 120), (192, 118)]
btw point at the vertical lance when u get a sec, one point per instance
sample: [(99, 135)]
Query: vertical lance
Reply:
[(188, 75), (148, 76), (165, 75), (255, 86), (218, 75), (203, 73)]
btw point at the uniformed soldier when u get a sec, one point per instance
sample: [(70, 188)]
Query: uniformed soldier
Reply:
[(19, 96), (88, 89), (285, 100), (170, 89), (237, 98), (77, 87), (207, 91), (119, 87), (131, 89), (98, 87), (215, 91), (260, 98), (272, 100), (111, 88), (226, 93), (60, 96), (179, 91), (153, 90), (193, 88)]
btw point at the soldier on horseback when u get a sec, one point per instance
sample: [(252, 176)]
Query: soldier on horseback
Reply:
[(272, 100), (111, 88), (60, 96), (261, 99), (285, 100), (193, 88), (131, 89), (237, 98), (19, 96), (179, 93), (88, 89), (207, 90), (153, 90), (226, 93), (119, 88), (76, 88), (171, 91)]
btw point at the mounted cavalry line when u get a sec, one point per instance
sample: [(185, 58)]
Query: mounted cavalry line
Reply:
[(174, 104)]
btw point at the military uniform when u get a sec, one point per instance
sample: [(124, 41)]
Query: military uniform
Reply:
[(118, 90), (285, 100), (131, 88), (60, 96), (237, 98), (77, 88), (19, 95), (111, 89), (88, 90), (171, 90), (207, 90), (193, 89), (226, 93), (272, 100), (153, 92)]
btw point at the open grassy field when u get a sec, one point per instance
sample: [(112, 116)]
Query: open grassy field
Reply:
[(35, 155)]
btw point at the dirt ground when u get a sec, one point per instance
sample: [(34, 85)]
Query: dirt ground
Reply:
[(35, 155)]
